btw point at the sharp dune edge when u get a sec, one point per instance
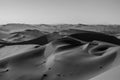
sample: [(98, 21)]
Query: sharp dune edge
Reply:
[(57, 52)]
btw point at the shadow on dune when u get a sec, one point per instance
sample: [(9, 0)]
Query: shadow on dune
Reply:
[(87, 36), (91, 36)]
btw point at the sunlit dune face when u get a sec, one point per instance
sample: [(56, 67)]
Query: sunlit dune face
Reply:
[(67, 58), (24, 66), (80, 62)]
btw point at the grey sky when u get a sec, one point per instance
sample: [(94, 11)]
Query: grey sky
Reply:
[(60, 11)]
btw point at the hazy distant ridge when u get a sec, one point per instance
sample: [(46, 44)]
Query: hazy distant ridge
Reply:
[(111, 29)]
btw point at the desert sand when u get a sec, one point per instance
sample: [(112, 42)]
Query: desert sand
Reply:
[(53, 53)]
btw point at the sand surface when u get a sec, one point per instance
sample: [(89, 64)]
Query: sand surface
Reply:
[(60, 54)]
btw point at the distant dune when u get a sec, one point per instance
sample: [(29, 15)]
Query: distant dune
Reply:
[(59, 27)]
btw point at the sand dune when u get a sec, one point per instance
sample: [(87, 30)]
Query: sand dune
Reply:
[(65, 55)]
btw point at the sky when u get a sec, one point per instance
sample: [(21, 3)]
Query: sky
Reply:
[(60, 11)]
